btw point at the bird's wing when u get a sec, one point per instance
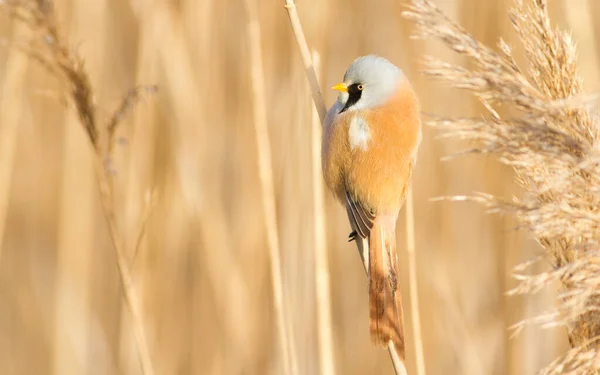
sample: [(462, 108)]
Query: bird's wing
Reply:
[(360, 217)]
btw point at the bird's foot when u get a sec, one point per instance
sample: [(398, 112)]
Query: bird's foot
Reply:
[(352, 236)]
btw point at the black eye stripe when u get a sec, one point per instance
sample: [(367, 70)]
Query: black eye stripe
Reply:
[(354, 94), (354, 88)]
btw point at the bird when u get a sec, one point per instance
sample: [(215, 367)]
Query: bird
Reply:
[(371, 136)]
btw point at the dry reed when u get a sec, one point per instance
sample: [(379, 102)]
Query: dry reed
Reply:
[(263, 145), (9, 119), (322, 285), (413, 285), (550, 140), (309, 68), (48, 47)]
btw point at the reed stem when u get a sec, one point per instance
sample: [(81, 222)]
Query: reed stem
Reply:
[(259, 110)]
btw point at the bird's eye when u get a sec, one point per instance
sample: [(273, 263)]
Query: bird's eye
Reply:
[(360, 87)]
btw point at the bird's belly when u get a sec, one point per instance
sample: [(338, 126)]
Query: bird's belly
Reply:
[(378, 177), (382, 189)]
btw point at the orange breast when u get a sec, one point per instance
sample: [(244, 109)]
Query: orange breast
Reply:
[(378, 175)]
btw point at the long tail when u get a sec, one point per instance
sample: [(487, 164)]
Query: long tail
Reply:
[(385, 302)]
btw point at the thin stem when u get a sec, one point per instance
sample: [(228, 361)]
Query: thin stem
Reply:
[(10, 117), (326, 358), (309, 68), (259, 110), (129, 295), (399, 367), (412, 282)]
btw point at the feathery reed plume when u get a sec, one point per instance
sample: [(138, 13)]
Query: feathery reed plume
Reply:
[(550, 141), (396, 354), (50, 48), (266, 183)]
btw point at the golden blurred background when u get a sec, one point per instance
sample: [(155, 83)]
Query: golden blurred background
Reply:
[(202, 272)]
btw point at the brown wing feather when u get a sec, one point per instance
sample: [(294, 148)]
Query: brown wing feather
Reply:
[(361, 217)]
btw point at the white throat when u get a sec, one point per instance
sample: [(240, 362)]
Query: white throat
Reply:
[(359, 133)]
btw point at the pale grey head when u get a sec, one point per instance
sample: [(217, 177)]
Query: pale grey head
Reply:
[(369, 81)]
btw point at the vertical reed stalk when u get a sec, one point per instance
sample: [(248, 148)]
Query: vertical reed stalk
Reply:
[(72, 307), (129, 295), (309, 68), (412, 282), (326, 356), (259, 110), (10, 117), (77, 222), (137, 173), (594, 11)]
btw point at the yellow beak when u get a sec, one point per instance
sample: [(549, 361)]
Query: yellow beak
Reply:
[(341, 87)]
